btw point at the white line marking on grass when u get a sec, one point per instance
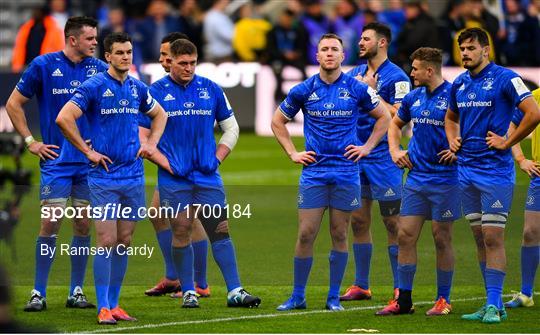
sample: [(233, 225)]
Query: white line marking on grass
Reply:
[(254, 317)]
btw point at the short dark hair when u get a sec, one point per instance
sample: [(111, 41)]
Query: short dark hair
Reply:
[(114, 38), (75, 24), (183, 47), (382, 30), (432, 56), (474, 34), (331, 36), (175, 35)]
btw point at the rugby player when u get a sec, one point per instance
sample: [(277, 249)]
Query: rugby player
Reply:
[(193, 104), (431, 191), (111, 101), (482, 101), (53, 78), (170, 283), (332, 103), (381, 179)]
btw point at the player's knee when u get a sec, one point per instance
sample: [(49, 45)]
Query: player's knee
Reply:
[(442, 240), (124, 239), (405, 238), (339, 236), (360, 223), (531, 235), (216, 228), (391, 224), (306, 236), (159, 224), (107, 241), (493, 240), (49, 227), (81, 226)]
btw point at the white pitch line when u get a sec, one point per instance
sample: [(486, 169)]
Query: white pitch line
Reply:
[(259, 316)]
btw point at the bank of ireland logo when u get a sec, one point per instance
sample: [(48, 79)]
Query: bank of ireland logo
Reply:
[(75, 83), (189, 104), (425, 113), (530, 200), (471, 96), (124, 102), (46, 190), (329, 105)]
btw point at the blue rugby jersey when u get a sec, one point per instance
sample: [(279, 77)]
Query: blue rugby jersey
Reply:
[(331, 113), (112, 110), (427, 110), (392, 85), (188, 140), (486, 102), (53, 79)]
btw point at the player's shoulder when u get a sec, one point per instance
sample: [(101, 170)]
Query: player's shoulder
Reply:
[(356, 70), (204, 81), (47, 59), (395, 73), (461, 78), (161, 83)]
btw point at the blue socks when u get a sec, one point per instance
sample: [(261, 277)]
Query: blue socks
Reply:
[(530, 257), (302, 267), (338, 263), (78, 262), (102, 278), (200, 254), (164, 238), (225, 257), (44, 260), (118, 270), (444, 284), (362, 260), (483, 272), (406, 276), (494, 287), (183, 262), (393, 256)]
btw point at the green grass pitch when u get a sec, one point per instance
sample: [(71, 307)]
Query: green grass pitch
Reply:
[(258, 173)]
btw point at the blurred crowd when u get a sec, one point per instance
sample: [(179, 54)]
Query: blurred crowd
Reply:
[(283, 33)]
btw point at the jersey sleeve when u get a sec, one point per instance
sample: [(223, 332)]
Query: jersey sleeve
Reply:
[(368, 99), (293, 102), (147, 102), (30, 82), (452, 105), (515, 89), (223, 107), (398, 90), (84, 95), (404, 112)]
